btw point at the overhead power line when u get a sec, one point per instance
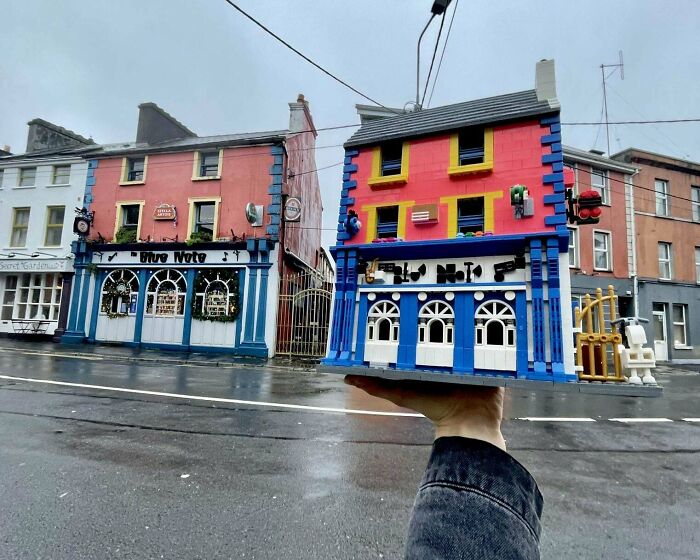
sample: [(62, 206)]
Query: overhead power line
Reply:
[(432, 60), (302, 55), (657, 121), (442, 54)]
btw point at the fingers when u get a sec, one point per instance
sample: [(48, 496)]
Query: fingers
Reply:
[(383, 388)]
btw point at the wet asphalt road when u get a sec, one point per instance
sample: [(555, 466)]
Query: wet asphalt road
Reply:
[(90, 473)]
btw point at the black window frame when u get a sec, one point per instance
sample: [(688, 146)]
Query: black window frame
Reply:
[(132, 173), (198, 223), (204, 167)]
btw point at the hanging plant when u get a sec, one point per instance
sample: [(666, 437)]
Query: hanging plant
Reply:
[(216, 295), (199, 237), (125, 235)]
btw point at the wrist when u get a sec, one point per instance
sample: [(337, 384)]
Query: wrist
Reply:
[(491, 434)]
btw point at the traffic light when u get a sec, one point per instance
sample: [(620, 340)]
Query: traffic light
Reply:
[(585, 209)]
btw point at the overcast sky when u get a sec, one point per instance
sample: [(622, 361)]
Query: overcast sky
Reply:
[(87, 64)]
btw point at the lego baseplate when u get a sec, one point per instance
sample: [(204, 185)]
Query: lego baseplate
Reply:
[(613, 389)]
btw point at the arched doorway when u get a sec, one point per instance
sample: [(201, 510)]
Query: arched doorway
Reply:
[(435, 334), (494, 336), (116, 318), (382, 335), (164, 316)]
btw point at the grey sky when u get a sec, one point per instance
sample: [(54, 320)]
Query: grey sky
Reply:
[(87, 64)]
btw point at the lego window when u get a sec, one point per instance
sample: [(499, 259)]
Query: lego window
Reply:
[(119, 293), (495, 324), (471, 151), (387, 222), (54, 225), (436, 323), (165, 294), (601, 251), (389, 164), (20, 225), (61, 175), (573, 247), (383, 322), (27, 177), (470, 215), (391, 159)]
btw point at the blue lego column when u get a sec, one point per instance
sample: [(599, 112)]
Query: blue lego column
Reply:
[(187, 326), (464, 333), (362, 312), (537, 289), (554, 299), (349, 169), (339, 297), (408, 331), (348, 307), (96, 305), (521, 334), (140, 304)]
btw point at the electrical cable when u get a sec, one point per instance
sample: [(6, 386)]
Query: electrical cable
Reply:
[(302, 55), (442, 54), (432, 60), (657, 121)]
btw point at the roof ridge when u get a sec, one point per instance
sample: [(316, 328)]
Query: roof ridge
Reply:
[(61, 130), (166, 115)]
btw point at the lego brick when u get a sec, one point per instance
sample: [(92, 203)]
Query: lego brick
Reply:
[(558, 167), (552, 178), (560, 208), (347, 201), (347, 160), (352, 168), (554, 198), (554, 220), (552, 158), (551, 138), (273, 230), (342, 236), (274, 189), (548, 120), (349, 184), (277, 150), (556, 147), (559, 187), (555, 128), (352, 153), (276, 169)]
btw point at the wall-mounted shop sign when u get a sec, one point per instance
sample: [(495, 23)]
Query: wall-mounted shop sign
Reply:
[(292, 209), (35, 265), (179, 257), (164, 212)]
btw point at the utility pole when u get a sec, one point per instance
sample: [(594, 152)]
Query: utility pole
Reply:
[(621, 66), (438, 8)]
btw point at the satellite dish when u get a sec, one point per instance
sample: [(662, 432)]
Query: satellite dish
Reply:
[(253, 214)]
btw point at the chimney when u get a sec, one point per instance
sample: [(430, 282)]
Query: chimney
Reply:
[(46, 136), (300, 119), (5, 151), (545, 82), (156, 125)]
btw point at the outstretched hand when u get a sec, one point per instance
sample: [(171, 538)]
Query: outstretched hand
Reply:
[(455, 410)]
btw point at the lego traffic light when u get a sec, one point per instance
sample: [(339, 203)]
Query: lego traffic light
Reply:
[(584, 209)]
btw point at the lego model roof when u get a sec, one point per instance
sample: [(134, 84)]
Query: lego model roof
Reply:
[(500, 108)]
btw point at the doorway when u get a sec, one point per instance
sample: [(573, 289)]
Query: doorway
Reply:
[(660, 332)]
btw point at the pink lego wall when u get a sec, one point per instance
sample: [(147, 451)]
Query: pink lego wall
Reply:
[(517, 160)]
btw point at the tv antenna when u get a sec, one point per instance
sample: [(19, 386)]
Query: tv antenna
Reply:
[(621, 66)]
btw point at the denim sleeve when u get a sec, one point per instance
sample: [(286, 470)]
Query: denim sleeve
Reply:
[(475, 501)]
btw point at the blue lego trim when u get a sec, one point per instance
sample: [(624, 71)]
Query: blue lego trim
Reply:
[(362, 313), (552, 158), (140, 305), (555, 128), (248, 332), (559, 187), (87, 200), (274, 220), (241, 292), (350, 168), (564, 229), (482, 285), (463, 357), (277, 150), (344, 193), (408, 331), (276, 168), (555, 315), (262, 308), (556, 147), (554, 220), (346, 177), (276, 200), (349, 184), (189, 294), (90, 182), (272, 230), (274, 189), (557, 198), (558, 167), (521, 363), (347, 160), (96, 304), (343, 237), (349, 152), (550, 139), (549, 178), (347, 201), (348, 307), (560, 208), (537, 312), (549, 120)]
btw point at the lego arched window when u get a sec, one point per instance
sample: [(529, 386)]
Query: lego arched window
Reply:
[(494, 322), (165, 294), (436, 323), (383, 322), (120, 292), (216, 295)]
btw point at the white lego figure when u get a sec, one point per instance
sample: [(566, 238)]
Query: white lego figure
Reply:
[(636, 358)]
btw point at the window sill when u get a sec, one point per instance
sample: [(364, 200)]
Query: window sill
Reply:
[(215, 178), (682, 347), (54, 248), (455, 171), (130, 183), (602, 269), (58, 185), (400, 179), (665, 279), (24, 188)]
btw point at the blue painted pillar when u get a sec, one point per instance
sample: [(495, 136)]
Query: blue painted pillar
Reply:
[(554, 298), (348, 315), (140, 304), (339, 297), (262, 307), (96, 304), (250, 305), (75, 301), (408, 330), (87, 278), (239, 320), (521, 366), (537, 290), (189, 295), (464, 333), (362, 312)]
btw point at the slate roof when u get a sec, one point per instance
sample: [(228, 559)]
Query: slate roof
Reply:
[(62, 131), (501, 108)]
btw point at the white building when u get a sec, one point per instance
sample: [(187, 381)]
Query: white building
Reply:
[(39, 191)]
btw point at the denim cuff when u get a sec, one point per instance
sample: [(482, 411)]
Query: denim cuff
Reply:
[(478, 466)]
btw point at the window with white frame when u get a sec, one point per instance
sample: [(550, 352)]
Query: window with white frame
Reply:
[(661, 195), (33, 296), (27, 177), (695, 203), (383, 322), (665, 261), (599, 183), (494, 323), (602, 258), (573, 248), (697, 264), (680, 325), (436, 323), (60, 175), (9, 297), (20, 225), (120, 293), (165, 294)]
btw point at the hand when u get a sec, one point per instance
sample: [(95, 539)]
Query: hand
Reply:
[(455, 410)]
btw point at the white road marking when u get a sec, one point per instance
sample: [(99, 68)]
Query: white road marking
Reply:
[(56, 354), (639, 420), (212, 399), (554, 419), (690, 419)]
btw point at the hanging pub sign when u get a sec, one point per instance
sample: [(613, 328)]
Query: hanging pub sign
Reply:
[(164, 212), (292, 209)]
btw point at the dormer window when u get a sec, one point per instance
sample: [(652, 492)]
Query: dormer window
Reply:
[(471, 151), (389, 164)]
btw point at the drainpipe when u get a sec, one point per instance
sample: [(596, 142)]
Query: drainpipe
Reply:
[(633, 234)]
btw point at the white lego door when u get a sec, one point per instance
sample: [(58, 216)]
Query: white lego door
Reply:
[(660, 340), (435, 335), (382, 334), (494, 337)]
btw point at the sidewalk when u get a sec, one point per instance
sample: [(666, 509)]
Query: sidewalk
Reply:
[(131, 354)]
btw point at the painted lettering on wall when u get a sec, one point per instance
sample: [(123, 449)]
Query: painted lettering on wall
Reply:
[(179, 257)]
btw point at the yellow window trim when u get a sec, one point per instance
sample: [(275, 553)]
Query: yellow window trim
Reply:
[(190, 221), (47, 225), (456, 169), (125, 170), (376, 179), (371, 225), (452, 201), (15, 226), (197, 161), (118, 217)]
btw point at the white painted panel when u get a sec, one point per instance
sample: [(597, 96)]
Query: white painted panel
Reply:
[(119, 329), (381, 352), (494, 358), (212, 333), (163, 330), (434, 354)]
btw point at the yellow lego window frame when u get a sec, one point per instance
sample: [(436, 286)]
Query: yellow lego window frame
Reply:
[(452, 207), (455, 169), (371, 222), (376, 179)]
